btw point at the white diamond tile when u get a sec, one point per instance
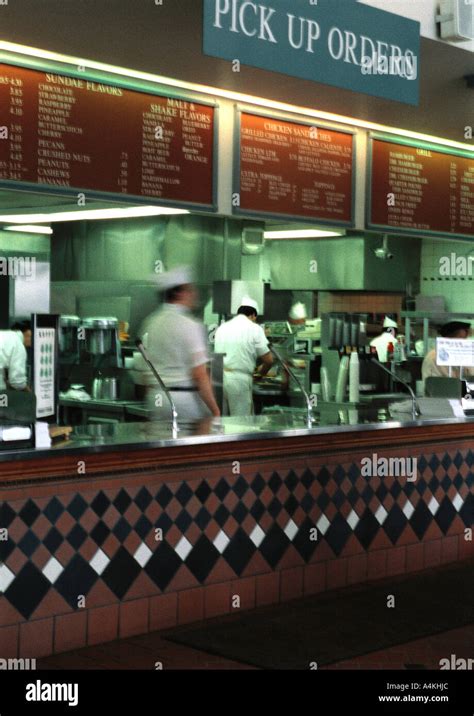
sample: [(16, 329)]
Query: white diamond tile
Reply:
[(143, 554), (353, 519), (221, 541), (99, 561), (291, 530), (322, 524), (381, 515), (52, 569), (408, 509), (6, 578), (183, 548), (458, 502), (433, 505), (257, 535)]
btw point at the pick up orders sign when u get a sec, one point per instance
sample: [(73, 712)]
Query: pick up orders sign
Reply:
[(335, 42)]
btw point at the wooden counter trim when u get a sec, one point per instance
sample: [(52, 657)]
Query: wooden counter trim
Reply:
[(124, 461)]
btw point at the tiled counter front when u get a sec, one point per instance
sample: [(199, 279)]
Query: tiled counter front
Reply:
[(84, 562)]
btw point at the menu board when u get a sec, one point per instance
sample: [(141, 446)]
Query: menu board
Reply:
[(421, 190), (72, 132), (292, 169)]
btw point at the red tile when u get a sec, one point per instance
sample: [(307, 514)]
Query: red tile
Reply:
[(396, 561), (36, 639), (268, 588), (449, 549), (322, 553), (291, 559), (133, 618), (466, 547), (163, 611), (52, 605), (415, 560), (183, 579), (190, 605), (8, 613), (100, 595), (291, 584), (432, 553), (221, 572), (216, 600), (357, 568), (70, 632), (141, 587), (337, 573), (245, 590), (314, 580), (381, 541), (377, 566), (432, 533), (102, 625), (9, 641), (352, 547)]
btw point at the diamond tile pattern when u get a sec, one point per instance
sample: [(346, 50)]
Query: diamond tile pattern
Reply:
[(228, 518)]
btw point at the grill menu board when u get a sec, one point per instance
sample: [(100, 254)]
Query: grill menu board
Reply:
[(70, 132), (294, 169), (421, 190)]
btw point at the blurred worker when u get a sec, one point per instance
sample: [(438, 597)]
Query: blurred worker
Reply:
[(13, 356), (388, 335), (297, 315), (430, 369)]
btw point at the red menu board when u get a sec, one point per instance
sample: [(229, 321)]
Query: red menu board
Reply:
[(295, 169), (418, 189), (73, 132)]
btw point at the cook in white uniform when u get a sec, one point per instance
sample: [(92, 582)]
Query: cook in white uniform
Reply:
[(244, 344), (12, 361), (389, 335), (177, 347)]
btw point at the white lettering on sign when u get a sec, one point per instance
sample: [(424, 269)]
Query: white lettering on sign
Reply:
[(246, 17)]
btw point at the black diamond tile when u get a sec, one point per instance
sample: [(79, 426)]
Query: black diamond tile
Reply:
[(239, 551), (447, 461), (77, 507), (291, 480), (307, 503), (27, 590), (446, 483), (202, 558), (121, 530), (307, 479), (366, 529), (203, 491), (100, 503), (275, 482), (323, 500), (466, 513), (470, 458), (29, 512), (421, 486), (240, 512), (222, 515), (381, 492), (410, 487), (458, 460), (53, 510), (202, 518), (240, 487), (354, 472), (143, 499), (434, 463), (352, 496), (184, 494), (470, 479), (458, 481), (257, 510), (7, 515), (76, 580), (339, 498), (163, 565), (258, 484), (183, 521), (395, 523), (303, 542), (222, 489), (77, 536), (291, 505), (53, 540), (122, 501), (164, 496), (337, 534), (445, 515), (164, 522), (143, 527), (121, 572), (100, 533), (395, 489), (29, 543), (420, 519), (367, 494), (6, 548), (422, 464), (274, 545), (339, 474), (274, 508)]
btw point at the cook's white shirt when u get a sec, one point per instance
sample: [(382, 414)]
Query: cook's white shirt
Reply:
[(243, 341), (13, 358)]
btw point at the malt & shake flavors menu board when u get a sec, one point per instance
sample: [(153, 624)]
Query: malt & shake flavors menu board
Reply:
[(421, 190), (287, 168), (73, 132)]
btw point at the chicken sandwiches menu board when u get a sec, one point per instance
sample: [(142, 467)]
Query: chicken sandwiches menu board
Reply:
[(287, 168), (418, 189), (72, 132)]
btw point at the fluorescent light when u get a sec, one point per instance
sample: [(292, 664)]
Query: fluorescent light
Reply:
[(29, 229), (92, 214), (300, 234)]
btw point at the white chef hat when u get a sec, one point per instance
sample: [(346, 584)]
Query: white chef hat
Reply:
[(389, 323), (175, 277), (298, 311), (249, 303)]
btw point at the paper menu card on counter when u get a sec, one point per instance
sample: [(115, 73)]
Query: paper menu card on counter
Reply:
[(45, 369), (454, 352)]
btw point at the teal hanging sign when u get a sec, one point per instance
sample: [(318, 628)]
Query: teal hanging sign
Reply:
[(342, 43)]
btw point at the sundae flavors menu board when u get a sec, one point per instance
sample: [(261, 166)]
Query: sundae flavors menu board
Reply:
[(293, 169), (72, 132)]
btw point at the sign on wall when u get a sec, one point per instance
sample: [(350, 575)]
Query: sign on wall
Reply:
[(335, 42)]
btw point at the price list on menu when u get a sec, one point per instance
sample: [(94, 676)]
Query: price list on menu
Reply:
[(73, 132), (293, 169), (415, 188)]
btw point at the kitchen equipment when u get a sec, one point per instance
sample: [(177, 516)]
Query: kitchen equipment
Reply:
[(105, 389), (101, 334), (68, 328)]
